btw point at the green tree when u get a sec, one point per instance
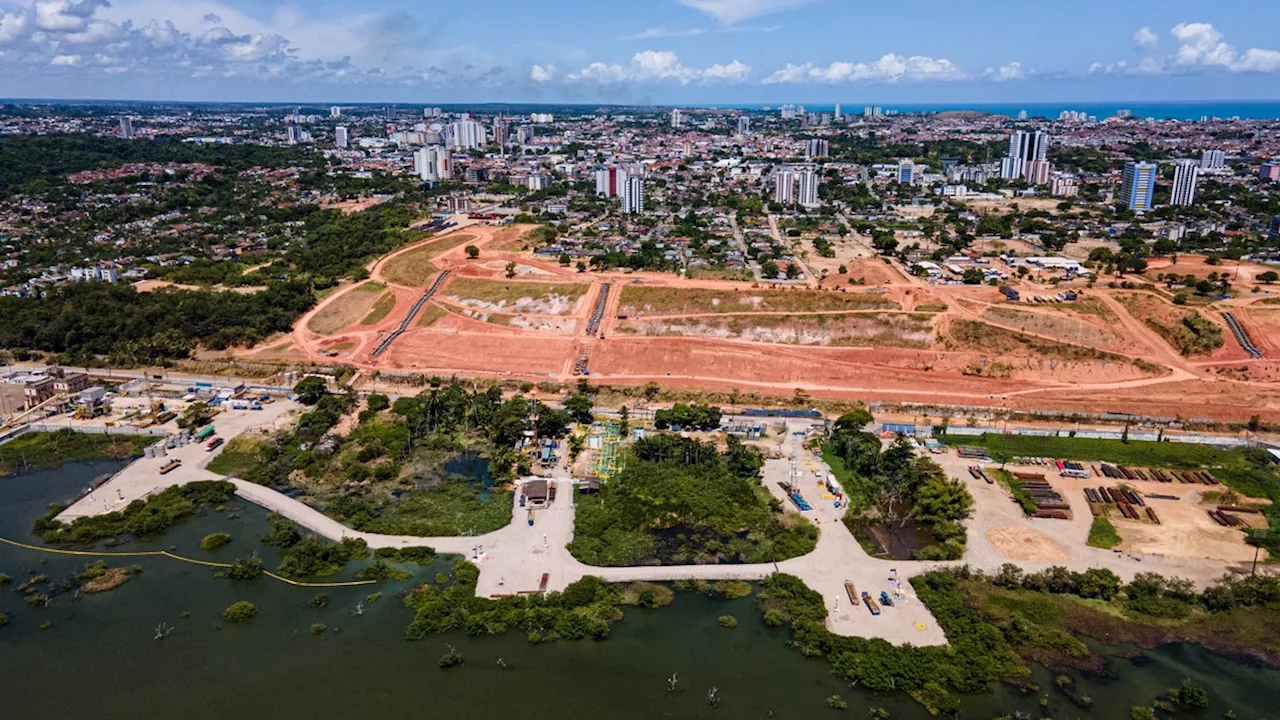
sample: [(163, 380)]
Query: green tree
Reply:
[(242, 611), (310, 389), (1268, 277), (473, 252), (511, 269)]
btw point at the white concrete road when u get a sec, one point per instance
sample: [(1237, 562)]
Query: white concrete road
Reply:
[(142, 477)]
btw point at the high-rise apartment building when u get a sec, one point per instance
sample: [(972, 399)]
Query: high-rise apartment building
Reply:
[(465, 135), (340, 137), (335, 112), (816, 148), (293, 134), (500, 131), (1186, 173), (1010, 168), (538, 181), (809, 181), (1064, 186), (1213, 160), (633, 196), (1138, 185), (126, 128), (611, 181), (838, 115), (784, 187), (744, 125), (1036, 172), (677, 119), (1270, 171), (524, 134), (432, 164), (1029, 145)]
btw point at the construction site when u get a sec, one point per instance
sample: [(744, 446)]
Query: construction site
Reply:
[(432, 308)]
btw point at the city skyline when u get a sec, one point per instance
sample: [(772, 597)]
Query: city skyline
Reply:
[(667, 52)]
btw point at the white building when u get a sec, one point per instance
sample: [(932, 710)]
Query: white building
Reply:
[(465, 135), (538, 181), (432, 164), (335, 112), (541, 118), (611, 181), (1213, 160), (809, 181), (340, 137), (126, 128), (1029, 145), (1064, 186), (907, 172), (816, 148), (633, 197), (744, 125), (1010, 168), (1186, 174), (677, 119), (784, 188)]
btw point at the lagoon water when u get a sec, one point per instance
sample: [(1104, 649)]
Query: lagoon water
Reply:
[(98, 658)]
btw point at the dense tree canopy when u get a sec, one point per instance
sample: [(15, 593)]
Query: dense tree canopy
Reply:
[(680, 500)]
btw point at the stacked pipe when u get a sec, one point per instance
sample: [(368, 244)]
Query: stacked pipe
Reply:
[(413, 313), (593, 325), (1242, 337)]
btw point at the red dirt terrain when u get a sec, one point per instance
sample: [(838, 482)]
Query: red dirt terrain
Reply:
[(1096, 356)]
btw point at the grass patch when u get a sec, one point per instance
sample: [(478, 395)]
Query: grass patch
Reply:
[(931, 308), (345, 311), (238, 455), (669, 301), (430, 315), (1020, 495), (976, 335), (414, 268), (1067, 329), (37, 450), (497, 292), (1102, 534), (380, 310), (371, 287)]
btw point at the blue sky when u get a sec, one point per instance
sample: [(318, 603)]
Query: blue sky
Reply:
[(645, 51)]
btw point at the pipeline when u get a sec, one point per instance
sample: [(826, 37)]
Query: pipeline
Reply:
[(175, 556)]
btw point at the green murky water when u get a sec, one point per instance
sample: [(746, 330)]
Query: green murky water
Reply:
[(98, 659)]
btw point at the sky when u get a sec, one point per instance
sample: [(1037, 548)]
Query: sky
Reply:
[(661, 52)]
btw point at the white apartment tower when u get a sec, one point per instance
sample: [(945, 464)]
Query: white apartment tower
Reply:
[(1186, 173), (335, 112), (1213, 160), (677, 118), (784, 189), (126, 128), (340, 137), (465, 135), (744, 125), (1029, 145), (633, 196), (809, 181)]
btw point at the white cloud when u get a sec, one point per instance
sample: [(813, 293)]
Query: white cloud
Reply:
[(1202, 44), (66, 15), (1145, 37), (734, 11), (543, 74), (890, 68), (1005, 73), (648, 66), (12, 26), (1201, 47), (734, 72)]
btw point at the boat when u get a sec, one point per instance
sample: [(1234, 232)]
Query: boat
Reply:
[(170, 466), (853, 594)]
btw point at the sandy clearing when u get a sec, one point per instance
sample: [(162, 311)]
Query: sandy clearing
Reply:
[(1024, 543)]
